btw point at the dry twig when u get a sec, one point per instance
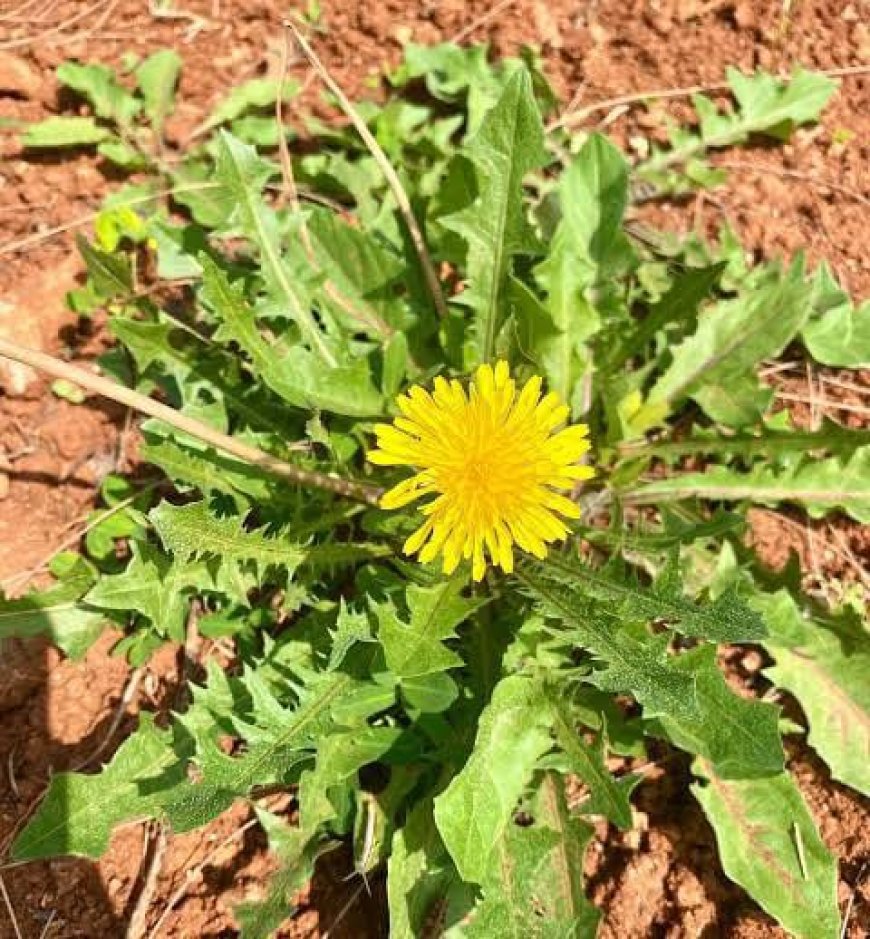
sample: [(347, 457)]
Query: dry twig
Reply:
[(191, 875), (10, 909), (392, 178), (795, 175), (59, 28), (658, 94), (482, 20), (252, 455), (139, 916)]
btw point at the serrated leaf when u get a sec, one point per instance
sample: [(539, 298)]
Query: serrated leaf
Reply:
[(765, 105), (734, 336), (588, 249), (641, 666), (205, 470), (295, 374), (351, 627), (57, 612), (417, 647), (680, 303), (362, 269), (153, 586), (97, 84), (192, 531), (769, 845), (280, 740), (64, 132), (157, 77), (297, 855), (769, 104), (825, 665), (820, 485), (608, 797), (475, 810), (839, 333), (110, 274), (831, 437), (79, 811), (243, 174), (508, 145), (739, 736), (687, 692), (253, 94), (726, 619)]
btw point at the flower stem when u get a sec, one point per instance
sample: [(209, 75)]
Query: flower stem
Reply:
[(351, 489)]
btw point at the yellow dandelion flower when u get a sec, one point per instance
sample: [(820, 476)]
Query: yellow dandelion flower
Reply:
[(495, 462)]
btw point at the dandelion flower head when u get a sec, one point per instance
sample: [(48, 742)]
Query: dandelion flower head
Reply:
[(496, 459)]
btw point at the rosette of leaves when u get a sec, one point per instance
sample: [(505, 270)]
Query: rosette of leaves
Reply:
[(431, 724)]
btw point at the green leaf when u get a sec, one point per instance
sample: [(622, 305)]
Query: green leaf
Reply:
[(477, 808), (417, 647), (831, 437), (362, 270), (740, 736), (525, 893), (294, 374), (64, 132), (686, 692), (205, 470), (98, 85), (192, 531), (607, 796), (153, 586), (243, 174), (563, 886), (122, 155), (680, 304), (820, 485), (641, 666), (508, 145), (839, 335), (733, 337), (588, 249), (431, 694), (534, 884), (79, 811), (280, 739), (297, 855), (765, 105), (57, 613), (110, 274), (253, 94), (517, 865), (825, 665), (770, 105), (420, 874), (726, 619), (769, 845), (157, 77)]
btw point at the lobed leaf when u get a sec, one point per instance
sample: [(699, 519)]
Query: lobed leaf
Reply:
[(79, 811), (820, 485), (508, 145)]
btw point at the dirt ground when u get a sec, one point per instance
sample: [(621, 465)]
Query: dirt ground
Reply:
[(661, 879)]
